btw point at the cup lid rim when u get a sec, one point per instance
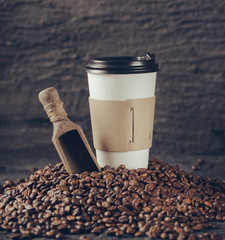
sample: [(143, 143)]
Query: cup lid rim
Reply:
[(123, 64)]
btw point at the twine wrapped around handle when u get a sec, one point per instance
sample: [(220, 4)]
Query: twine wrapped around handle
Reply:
[(52, 104), (55, 111)]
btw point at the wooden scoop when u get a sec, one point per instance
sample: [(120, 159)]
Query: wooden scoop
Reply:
[(68, 138)]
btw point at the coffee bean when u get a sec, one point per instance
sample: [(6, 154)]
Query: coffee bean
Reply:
[(62, 227), (119, 233), (15, 236), (108, 179), (150, 186), (106, 204), (192, 237), (177, 184), (136, 202), (138, 234), (83, 237), (59, 235), (200, 160), (51, 233), (123, 219), (194, 167), (187, 201), (98, 229), (209, 204)]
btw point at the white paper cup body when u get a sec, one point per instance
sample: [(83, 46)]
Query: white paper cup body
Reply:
[(122, 87)]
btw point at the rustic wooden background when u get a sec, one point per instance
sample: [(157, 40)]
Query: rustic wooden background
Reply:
[(48, 43)]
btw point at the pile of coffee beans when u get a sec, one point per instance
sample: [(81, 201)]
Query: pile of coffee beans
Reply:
[(160, 202)]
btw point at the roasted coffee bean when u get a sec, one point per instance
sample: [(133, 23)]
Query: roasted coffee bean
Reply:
[(119, 233), (59, 235), (200, 160), (130, 230), (161, 201), (123, 219), (15, 236), (136, 202), (187, 201), (62, 227), (150, 187), (106, 204), (194, 167), (51, 233), (98, 229), (83, 237), (209, 204)]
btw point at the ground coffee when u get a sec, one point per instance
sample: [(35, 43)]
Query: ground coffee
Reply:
[(161, 202)]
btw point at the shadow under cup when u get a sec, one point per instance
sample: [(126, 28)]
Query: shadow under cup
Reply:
[(122, 103)]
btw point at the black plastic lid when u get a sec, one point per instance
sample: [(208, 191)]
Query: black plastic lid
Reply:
[(123, 65)]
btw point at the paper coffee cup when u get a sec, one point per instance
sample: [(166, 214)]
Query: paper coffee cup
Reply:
[(122, 91)]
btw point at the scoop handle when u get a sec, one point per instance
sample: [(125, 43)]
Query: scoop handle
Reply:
[(48, 96)]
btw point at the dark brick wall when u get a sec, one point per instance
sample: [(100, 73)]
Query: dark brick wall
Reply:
[(48, 43)]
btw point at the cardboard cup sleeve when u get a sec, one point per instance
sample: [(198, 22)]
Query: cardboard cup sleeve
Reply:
[(122, 126)]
